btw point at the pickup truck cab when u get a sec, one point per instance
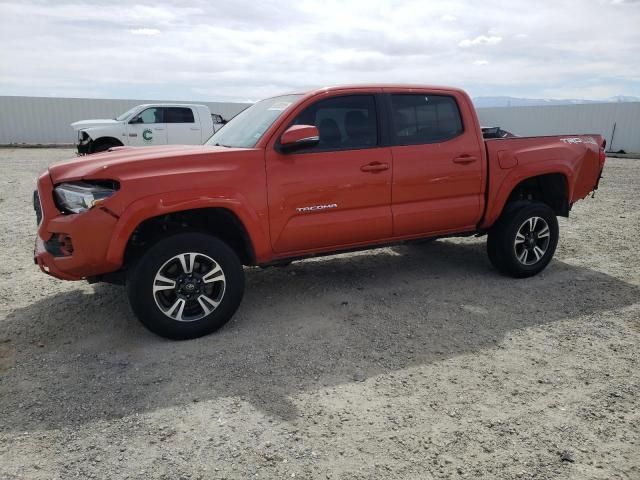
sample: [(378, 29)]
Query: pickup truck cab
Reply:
[(300, 175), (148, 125)]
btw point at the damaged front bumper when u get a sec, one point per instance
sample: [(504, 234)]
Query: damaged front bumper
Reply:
[(84, 143), (70, 246)]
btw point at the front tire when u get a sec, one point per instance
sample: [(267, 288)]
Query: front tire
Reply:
[(186, 286), (522, 243)]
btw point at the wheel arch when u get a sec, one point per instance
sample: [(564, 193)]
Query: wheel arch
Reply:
[(202, 212), (551, 188), (95, 143), (217, 221)]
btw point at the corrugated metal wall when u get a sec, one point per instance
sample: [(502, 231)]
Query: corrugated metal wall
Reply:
[(565, 119), (44, 120)]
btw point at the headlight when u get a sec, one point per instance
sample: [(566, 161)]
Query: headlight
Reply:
[(81, 196)]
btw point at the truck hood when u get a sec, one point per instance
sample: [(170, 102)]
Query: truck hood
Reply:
[(82, 124), (112, 164)]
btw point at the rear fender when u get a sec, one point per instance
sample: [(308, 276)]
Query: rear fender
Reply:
[(497, 200)]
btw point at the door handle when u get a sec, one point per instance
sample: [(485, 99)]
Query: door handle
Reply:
[(158, 129), (195, 128), (375, 167), (464, 159)]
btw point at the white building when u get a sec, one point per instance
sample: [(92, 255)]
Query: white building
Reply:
[(619, 123), (46, 120)]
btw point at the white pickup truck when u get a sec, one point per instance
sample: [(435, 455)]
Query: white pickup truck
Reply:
[(149, 124)]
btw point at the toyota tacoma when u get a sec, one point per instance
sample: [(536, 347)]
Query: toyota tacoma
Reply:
[(300, 175)]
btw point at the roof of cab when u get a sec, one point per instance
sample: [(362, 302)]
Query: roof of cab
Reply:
[(373, 86), (166, 104)]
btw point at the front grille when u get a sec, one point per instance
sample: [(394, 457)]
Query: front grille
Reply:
[(37, 206)]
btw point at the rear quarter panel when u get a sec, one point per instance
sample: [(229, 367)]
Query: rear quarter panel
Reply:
[(512, 160)]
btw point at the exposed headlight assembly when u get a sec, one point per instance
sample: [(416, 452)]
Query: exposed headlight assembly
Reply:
[(79, 197)]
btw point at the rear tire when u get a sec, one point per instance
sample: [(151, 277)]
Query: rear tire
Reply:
[(186, 286), (522, 243)]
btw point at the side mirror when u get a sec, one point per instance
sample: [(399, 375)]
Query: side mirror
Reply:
[(299, 136), (136, 119)]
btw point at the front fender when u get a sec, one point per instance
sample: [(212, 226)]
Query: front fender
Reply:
[(171, 202), (95, 133)]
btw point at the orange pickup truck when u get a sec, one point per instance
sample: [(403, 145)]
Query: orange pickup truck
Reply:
[(300, 175)]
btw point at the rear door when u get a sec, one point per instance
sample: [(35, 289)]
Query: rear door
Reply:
[(183, 126), (147, 128), (339, 192), (437, 162)]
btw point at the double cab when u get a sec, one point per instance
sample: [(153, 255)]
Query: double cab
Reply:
[(299, 175), (148, 125)]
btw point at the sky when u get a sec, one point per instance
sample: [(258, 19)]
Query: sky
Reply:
[(244, 50)]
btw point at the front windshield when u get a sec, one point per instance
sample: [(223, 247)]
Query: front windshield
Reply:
[(246, 129), (125, 114)]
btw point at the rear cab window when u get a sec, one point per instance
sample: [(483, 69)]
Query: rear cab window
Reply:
[(424, 118)]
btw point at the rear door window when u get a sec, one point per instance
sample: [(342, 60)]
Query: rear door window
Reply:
[(424, 118), (178, 115)]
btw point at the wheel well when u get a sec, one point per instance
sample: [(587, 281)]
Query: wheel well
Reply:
[(550, 189), (220, 222), (102, 140)]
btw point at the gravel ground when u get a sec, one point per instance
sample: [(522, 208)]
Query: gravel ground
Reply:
[(407, 362)]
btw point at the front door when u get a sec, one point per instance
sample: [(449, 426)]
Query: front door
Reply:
[(437, 165), (337, 193), (147, 128)]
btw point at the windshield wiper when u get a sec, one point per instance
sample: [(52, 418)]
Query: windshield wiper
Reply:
[(220, 145)]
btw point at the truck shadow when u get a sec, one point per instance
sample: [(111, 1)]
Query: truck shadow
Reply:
[(81, 356)]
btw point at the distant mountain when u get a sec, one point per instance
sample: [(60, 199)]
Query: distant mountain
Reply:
[(484, 102), (623, 98)]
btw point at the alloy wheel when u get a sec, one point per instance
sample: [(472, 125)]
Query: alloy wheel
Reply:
[(189, 286), (532, 241)]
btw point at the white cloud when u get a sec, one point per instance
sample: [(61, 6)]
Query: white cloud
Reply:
[(203, 50), (144, 31), (480, 40)]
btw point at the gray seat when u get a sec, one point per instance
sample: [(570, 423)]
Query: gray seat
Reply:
[(330, 136), (360, 131)]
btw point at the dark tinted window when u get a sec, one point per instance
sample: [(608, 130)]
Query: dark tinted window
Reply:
[(425, 118), (178, 115), (344, 123)]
